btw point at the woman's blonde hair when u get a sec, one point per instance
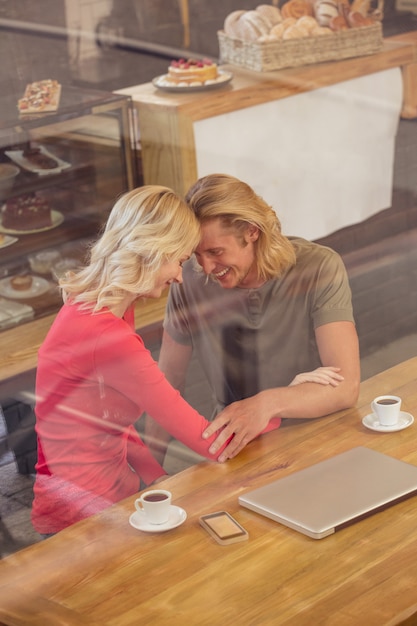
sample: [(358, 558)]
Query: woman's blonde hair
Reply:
[(146, 227), (237, 206)]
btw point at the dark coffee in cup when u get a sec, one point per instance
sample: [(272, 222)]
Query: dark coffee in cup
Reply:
[(387, 409), (155, 497), (155, 505)]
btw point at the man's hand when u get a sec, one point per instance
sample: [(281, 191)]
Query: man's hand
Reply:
[(321, 375), (243, 421)]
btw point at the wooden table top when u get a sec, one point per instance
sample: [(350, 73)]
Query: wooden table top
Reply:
[(103, 571)]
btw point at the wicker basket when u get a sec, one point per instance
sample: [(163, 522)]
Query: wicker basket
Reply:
[(266, 56)]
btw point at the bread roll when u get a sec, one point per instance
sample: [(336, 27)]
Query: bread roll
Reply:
[(357, 20), (267, 38), (257, 19), (252, 25), (307, 22), (296, 8), (321, 30), (270, 13), (293, 32), (278, 30), (324, 10), (231, 24), (289, 21), (338, 23)]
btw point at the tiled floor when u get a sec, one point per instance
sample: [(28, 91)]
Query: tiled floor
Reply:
[(16, 490)]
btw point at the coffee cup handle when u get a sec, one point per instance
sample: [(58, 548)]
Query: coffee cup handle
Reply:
[(373, 406), (139, 505)]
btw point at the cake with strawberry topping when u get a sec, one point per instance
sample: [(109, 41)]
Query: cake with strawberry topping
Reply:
[(192, 72)]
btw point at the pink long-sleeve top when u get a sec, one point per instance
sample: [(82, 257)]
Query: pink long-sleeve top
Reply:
[(94, 379)]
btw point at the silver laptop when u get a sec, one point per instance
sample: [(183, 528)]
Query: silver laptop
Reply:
[(332, 494)]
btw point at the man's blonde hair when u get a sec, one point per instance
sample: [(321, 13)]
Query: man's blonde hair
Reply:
[(146, 227), (220, 196)]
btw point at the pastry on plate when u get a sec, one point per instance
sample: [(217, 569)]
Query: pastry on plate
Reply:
[(41, 96), (21, 282)]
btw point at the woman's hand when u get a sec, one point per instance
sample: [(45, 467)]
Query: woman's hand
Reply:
[(321, 375)]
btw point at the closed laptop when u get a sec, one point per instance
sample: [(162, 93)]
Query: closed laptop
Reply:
[(332, 494)]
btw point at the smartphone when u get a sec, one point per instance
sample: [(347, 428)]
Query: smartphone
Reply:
[(223, 527)]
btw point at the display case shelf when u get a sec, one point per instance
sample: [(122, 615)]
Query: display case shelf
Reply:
[(89, 139)]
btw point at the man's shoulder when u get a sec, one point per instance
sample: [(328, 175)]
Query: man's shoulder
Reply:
[(312, 252), (305, 246)]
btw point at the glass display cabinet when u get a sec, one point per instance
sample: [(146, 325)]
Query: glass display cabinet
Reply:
[(60, 174)]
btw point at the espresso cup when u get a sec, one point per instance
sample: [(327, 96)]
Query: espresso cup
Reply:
[(387, 409), (155, 505)]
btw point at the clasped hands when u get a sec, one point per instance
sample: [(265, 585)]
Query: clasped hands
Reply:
[(243, 420)]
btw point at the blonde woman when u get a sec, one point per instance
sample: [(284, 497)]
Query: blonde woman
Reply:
[(95, 377)]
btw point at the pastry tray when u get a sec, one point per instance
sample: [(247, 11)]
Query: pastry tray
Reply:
[(13, 313), (17, 157)]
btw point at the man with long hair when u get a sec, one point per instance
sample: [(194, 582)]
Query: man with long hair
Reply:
[(258, 308)]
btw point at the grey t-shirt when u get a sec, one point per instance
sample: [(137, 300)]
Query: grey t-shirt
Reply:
[(248, 340)]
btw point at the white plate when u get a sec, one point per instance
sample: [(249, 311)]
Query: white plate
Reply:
[(161, 83), (19, 159), (371, 421), (177, 516), (56, 217), (37, 288), (8, 241)]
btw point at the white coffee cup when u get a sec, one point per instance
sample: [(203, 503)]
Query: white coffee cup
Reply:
[(387, 409), (155, 505)]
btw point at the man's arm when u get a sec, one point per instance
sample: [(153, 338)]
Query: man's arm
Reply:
[(173, 361), (338, 347)]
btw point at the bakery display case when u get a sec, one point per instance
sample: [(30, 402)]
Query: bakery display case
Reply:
[(60, 173)]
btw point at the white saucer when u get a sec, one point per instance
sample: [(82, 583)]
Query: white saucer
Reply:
[(177, 516), (38, 287), (371, 421)]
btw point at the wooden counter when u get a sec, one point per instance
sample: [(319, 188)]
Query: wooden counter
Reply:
[(409, 75), (103, 571), (166, 119)]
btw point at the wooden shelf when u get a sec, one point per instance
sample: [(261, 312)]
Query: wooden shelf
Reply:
[(90, 131)]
